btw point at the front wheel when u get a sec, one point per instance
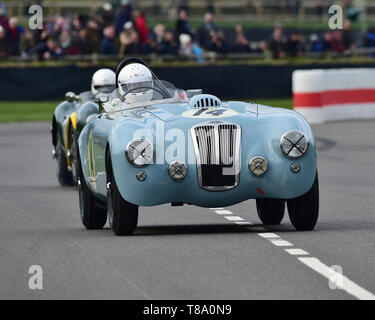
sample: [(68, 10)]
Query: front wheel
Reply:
[(304, 211), (93, 214), (73, 155), (270, 211), (122, 215)]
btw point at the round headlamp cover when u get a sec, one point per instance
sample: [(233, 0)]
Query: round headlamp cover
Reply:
[(258, 166), (140, 152), (294, 144), (177, 170)]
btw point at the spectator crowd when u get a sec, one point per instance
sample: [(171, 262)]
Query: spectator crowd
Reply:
[(122, 30)]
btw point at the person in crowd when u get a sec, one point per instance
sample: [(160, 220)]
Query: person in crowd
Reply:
[(108, 44), (337, 41), (106, 14), (4, 44), (294, 45), (277, 44), (314, 44), (15, 32), (94, 35), (129, 40), (183, 24), (219, 43), (190, 49), (158, 33), (56, 26), (67, 47), (347, 35), (78, 22), (27, 42), (241, 44), (82, 42), (49, 49), (238, 30), (327, 39), (123, 15), (53, 50), (151, 46), (140, 23), (4, 16), (169, 45), (205, 31)]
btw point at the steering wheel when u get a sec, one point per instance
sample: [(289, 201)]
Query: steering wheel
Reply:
[(144, 87)]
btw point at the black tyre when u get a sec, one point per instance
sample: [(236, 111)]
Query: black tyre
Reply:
[(64, 176), (304, 211), (93, 214), (73, 152), (122, 215), (270, 211)]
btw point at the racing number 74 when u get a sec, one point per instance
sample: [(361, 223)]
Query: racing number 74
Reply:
[(213, 112)]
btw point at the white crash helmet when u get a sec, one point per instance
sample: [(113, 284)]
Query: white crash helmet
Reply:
[(103, 81), (132, 76)]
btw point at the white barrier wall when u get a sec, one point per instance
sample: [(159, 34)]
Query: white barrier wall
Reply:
[(334, 94)]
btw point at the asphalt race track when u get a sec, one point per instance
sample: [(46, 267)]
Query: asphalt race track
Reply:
[(188, 252)]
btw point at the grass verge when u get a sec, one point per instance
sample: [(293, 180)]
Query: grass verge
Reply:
[(26, 111)]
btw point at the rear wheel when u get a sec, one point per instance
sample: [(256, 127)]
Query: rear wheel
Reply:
[(270, 211), (64, 176), (93, 214), (122, 215), (304, 211)]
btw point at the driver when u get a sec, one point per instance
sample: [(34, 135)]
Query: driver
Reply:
[(133, 76), (103, 82)]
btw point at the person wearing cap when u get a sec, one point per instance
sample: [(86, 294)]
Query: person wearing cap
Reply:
[(190, 49), (129, 40), (106, 14)]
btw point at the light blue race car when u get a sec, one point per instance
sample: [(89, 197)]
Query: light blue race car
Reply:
[(185, 147)]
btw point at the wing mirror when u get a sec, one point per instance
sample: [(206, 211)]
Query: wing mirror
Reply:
[(71, 97), (102, 100)]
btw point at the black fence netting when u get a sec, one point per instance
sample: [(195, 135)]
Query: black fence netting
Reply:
[(227, 82)]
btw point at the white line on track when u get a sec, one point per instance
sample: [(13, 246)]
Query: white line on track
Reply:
[(313, 263), (346, 284), (241, 223), (234, 218), (281, 243), (297, 252), (223, 212), (268, 235)]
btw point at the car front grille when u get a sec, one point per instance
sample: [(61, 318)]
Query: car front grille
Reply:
[(217, 151)]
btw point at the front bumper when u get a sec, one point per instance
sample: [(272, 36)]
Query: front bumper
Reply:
[(159, 188)]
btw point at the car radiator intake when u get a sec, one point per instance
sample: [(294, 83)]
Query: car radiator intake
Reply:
[(217, 150)]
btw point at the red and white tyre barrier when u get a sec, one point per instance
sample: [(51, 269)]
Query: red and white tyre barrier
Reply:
[(334, 94)]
